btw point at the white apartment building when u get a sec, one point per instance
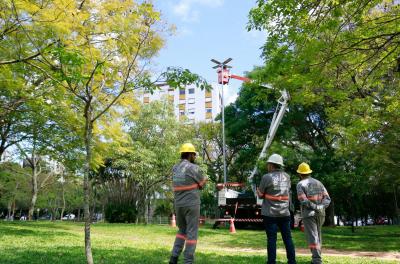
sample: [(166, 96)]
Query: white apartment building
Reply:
[(191, 104)]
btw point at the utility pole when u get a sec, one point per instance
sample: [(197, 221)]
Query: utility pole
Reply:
[(223, 78)]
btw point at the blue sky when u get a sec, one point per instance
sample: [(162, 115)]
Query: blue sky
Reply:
[(208, 29)]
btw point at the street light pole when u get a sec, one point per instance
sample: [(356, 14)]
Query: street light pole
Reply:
[(223, 78), (223, 130)]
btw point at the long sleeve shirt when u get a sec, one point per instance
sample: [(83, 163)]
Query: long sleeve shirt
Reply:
[(313, 197), (187, 179)]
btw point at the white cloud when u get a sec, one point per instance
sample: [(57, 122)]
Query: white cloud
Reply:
[(186, 8), (256, 35), (230, 92)]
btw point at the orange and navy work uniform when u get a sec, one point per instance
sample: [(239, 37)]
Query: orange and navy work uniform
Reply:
[(187, 180), (274, 189)]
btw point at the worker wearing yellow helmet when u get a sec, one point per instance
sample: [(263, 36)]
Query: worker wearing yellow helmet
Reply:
[(187, 180), (313, 199)]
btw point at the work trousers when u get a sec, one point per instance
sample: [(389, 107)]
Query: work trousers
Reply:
[(187, 219), (271, 225), (312, 230)]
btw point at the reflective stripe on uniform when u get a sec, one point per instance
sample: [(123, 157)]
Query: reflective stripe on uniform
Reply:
[(186, 187), (202, 183), (302, 197), (317, 197), (276, 198), (191, 242), (189, 187), (314, 246), (180, 236)]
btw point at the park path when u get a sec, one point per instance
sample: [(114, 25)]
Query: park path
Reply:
[(345, 253), (330, 252)]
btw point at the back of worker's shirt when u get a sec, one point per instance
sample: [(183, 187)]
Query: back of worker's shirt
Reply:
[(311, 194), (186, 180), (275, 189)]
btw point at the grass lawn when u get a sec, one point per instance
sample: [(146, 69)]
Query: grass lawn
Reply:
[(61, 242)]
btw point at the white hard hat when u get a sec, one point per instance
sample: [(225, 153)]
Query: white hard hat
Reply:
[(276, 159)]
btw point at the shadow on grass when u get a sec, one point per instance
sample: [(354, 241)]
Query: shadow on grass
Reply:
[(373, 238), (75, 255), (28, 230)]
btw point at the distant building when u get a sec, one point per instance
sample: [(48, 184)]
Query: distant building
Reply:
[(191, 104), (7, 156)]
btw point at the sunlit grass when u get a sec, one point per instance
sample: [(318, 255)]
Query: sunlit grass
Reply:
[(61, 242)]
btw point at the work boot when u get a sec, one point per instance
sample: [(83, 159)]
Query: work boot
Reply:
[(173, 260)]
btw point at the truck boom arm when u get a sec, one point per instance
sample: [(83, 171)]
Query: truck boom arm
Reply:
[(276, 120)]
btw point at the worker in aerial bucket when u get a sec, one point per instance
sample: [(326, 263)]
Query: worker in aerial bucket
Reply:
[(275, 190), (313, 199), (187, 180)]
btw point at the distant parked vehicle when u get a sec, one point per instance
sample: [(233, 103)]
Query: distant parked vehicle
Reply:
[(382, 221), (69, 217)]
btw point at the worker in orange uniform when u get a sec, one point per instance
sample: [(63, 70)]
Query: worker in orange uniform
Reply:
[(275, 190), (313, 199), (187, 180)]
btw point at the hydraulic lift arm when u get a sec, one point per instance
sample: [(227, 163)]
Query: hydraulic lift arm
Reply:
[(276, 120)]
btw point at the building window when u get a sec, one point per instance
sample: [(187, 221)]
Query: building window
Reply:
[(191, 91), (208, 104), (208, 110), (181, 91), (208, 99), (208, 115), (191, 111), (171, 98), (191, 101), (146, 100), (181, 113), (182, 107), (208, 94)]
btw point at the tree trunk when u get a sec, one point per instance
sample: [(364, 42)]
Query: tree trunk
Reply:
[(148, 210), (396, 218), (103, 213), (13, 210), (93, 211), (330, 215), (34, 189), (86, 183), (63, 199), (9, 210)]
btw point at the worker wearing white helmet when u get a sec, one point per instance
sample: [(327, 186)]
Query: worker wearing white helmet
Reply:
[(313, 199), (275, 190), (187, 180)]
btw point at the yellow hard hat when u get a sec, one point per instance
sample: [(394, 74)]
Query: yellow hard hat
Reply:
[(304, 168), (187, 147)]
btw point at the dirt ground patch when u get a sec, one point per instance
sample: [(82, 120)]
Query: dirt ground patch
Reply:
[(370, 254), (331, 252)]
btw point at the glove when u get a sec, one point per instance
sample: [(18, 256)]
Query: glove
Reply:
[(319, 208)]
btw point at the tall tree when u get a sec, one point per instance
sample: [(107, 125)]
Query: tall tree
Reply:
[(340, 57), (96, 52)]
